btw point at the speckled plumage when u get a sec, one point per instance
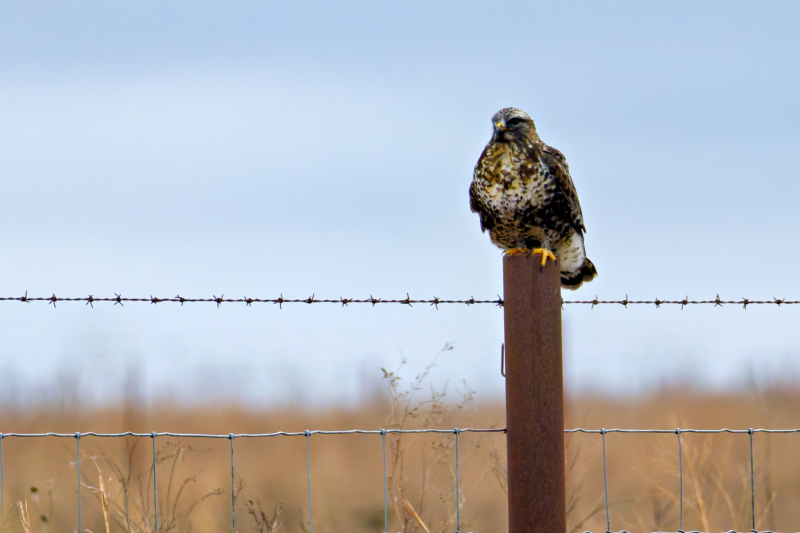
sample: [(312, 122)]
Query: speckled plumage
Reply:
[(524, 195)]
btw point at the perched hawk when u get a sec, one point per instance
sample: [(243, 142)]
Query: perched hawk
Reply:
[(524, 195)]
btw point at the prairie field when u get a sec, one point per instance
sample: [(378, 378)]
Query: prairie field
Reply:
[(347, 485)]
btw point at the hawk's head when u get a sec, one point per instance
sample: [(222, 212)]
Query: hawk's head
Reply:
[(512, 124)]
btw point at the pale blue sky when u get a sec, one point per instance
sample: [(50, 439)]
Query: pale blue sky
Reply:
[(255, 148)]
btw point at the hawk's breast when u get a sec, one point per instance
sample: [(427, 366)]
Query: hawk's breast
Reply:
[(512, 181)]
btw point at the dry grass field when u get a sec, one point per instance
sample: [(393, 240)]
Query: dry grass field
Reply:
[(194, 486)]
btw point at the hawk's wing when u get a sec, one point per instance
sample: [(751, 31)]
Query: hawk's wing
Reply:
[(559, 169), (475, 203)]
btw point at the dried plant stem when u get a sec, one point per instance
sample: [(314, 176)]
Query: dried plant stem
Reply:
[(701, 507)]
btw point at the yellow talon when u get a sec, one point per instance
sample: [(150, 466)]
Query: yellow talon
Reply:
[(545, 254), (516, 251)]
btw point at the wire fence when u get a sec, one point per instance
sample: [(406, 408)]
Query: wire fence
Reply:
[(344, 302), (383, 432), (118, 299), (232, 436)]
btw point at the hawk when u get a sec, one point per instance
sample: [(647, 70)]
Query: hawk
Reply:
[(524, 195)]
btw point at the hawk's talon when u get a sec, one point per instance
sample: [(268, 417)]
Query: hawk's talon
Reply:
[(545, 254)]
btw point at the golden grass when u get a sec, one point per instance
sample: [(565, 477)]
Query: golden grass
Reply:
[(194, 487)]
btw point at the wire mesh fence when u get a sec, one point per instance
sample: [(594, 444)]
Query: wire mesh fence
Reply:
[(456, 432), (232, 437), (118, 299)]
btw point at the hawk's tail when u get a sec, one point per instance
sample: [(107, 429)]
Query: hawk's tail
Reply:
[(573, 280)]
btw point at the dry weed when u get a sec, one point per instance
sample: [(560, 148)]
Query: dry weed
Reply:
[(263, 523), (126, 499), (434, 462)]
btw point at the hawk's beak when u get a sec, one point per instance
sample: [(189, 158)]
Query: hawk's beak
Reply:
[(499, 128)]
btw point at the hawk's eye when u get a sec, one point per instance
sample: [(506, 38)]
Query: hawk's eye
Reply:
[(516, 121)]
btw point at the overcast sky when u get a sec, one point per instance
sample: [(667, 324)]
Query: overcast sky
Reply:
[(258, 148)]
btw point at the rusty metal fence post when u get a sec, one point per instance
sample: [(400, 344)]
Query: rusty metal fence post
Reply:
[(534, 396)]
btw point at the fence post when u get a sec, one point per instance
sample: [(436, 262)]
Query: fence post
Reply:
[(534, 396)]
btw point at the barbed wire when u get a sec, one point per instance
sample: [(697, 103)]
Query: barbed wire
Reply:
[(383, 432), (280, 301), (344, 302)]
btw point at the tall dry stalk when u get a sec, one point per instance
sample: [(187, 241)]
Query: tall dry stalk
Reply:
[(25, 517), (263, 523), (6, 524), (126, 498), (436, 473)]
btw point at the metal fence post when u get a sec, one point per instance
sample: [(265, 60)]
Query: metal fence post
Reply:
[(534, 396)]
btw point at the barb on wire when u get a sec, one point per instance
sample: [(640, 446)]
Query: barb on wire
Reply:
[(345, 302)]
